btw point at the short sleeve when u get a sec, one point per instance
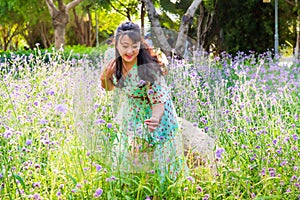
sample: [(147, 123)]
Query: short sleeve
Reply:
[(158, 92)]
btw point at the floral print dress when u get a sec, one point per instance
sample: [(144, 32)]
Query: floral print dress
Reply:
[(136, 148)]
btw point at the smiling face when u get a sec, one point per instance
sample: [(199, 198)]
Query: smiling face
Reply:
[(128, 49)]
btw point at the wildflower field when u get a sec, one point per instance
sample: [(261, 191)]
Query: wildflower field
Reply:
[(57, 125)]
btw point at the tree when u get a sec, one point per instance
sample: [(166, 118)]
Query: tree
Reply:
[(183, 30), (207, 28), (60, 19), (296, 9), (127, 8), (156, 27), (184, 27)]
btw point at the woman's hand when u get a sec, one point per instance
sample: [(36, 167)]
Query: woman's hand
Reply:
[(157, 113), (152, 123)]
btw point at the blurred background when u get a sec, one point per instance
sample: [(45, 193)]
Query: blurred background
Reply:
[(209, 25)]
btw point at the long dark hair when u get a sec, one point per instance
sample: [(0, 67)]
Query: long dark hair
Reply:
[(149, 66)]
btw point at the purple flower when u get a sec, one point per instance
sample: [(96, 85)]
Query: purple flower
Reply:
[(272, 172), (109, 125), (206, 129), (98, 167), (219, 152), (263, 172), (142, 83), (28, 142), (206, 197), (283, 163), (37, 166), (37, 184), (279, 151), (50, 92), (295, 137), (7, 134), (100, 121), (98, 193), (61, 108), (189, 178), (36, 196), (43, 121), (199, 189), (96, 105)]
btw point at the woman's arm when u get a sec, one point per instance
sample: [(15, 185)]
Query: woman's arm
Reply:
[(157, 113), (106, 76)]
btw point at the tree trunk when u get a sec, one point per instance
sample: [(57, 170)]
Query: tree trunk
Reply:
[(156, 28), (60, 19), (199, 28), (204, 33), (78, 29), (143, 12), (297, 48), (59, 35), (184, 27), (89, 30), (44, 35)]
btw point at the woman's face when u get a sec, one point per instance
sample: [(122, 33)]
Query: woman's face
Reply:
[(128, 49)]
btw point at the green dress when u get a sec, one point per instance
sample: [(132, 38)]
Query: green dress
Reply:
[(136, 148)]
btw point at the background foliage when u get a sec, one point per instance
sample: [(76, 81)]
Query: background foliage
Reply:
[(237, 25)]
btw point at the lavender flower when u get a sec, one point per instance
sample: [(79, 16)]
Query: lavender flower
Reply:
[(98, 193), (61, 108), (199, 189), (109, 125), (98, 167), (36, 196), (28, 142), (36, 184), (219, 152), (295, 137), (100, 121), (7, 134)]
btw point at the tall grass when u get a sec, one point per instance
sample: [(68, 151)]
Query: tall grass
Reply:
[(57, 127)]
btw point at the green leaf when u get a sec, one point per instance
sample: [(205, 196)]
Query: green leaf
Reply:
[(269, 197), (19, 178), (72, 178), (147, 188)]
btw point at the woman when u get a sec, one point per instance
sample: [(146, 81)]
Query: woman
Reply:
[(149, 139)]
